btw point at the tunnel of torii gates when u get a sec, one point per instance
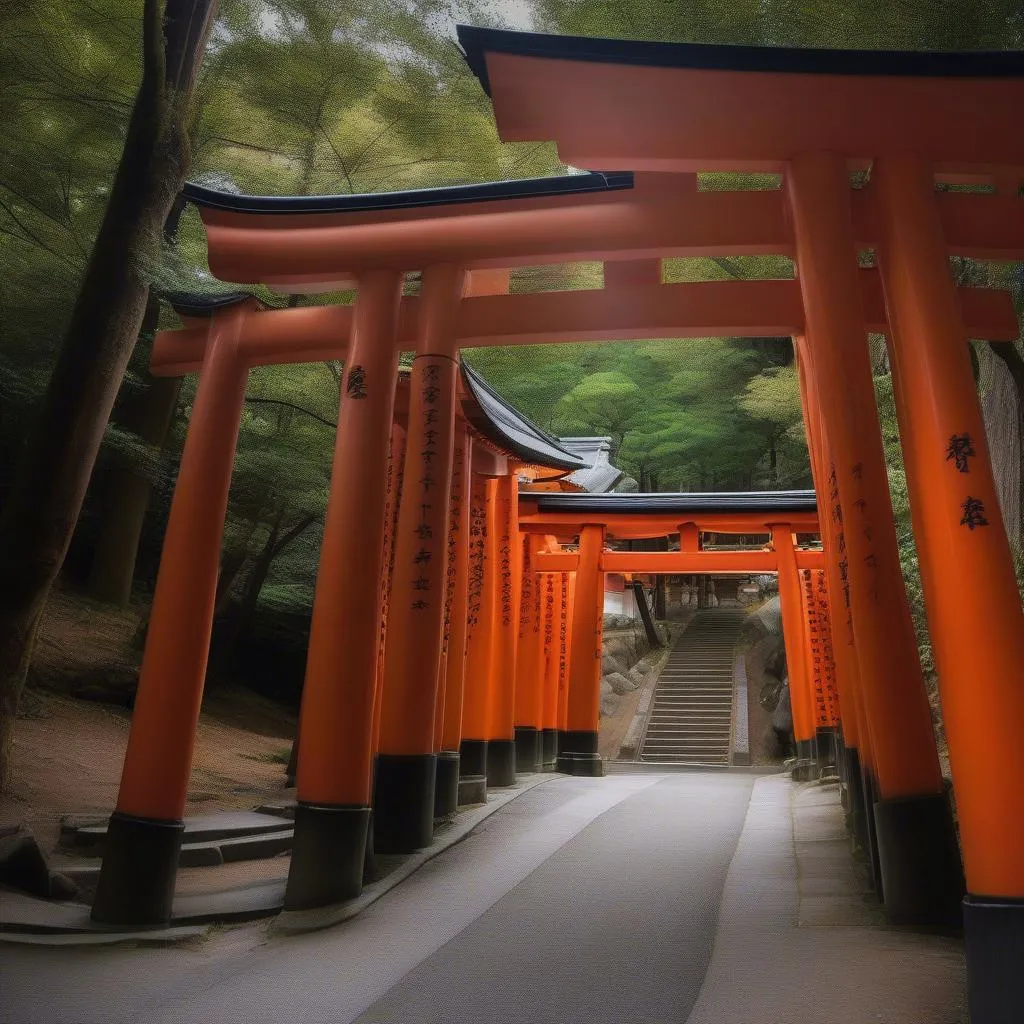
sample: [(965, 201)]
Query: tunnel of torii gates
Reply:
[(375, 728)]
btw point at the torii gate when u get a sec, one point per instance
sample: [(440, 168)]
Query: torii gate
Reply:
[(666, 112), (594, 519)]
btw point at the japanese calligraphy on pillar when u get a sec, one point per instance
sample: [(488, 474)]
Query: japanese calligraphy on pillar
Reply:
[(828, 665), (455, 505), (477, 556), (505, 559), (549, 615), (959, 451), (840, 536), (810, 605), (563, 634), (393, 483), (527, 606), (426, 551)]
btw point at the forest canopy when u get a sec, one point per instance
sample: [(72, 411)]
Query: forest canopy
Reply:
[(329, 96)]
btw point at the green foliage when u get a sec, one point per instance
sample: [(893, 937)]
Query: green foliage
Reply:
[(327, 96)]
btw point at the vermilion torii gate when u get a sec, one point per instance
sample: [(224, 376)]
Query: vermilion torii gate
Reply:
[(595, 519), (664, 112)]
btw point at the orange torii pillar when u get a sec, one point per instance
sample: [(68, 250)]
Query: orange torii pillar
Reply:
[(143, 840), (335, 769), (480, 608), (501, 733), (567, 594), (578, 746), (549, 731), (973, 604), (816, 632), (453, 653), (847, 670), (919, 859), (403, 805), (395, 478), (529, 661), (793, 636)]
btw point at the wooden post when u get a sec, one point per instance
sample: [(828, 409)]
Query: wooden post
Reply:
[(140, 859), (552, 586), (529, 662), (336, 722), (403, 805), (973, 604), (501, 743), (479, 637), (454, 636), (579, 754), (918, 855), (793, 635)]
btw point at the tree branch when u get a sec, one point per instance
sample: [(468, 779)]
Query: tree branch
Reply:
[(289, 405)]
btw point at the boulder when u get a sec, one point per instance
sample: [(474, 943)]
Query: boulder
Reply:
[(609, 699), (621, 684), (638, 673), (611, 664)]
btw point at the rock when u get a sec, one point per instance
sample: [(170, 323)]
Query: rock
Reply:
[(610, 664), (621, 684), (23, 866), (638, 673)]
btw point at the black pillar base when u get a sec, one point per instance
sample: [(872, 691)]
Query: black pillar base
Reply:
[(328, 855), (472, 758), (825, 746), (403, 802), (472, 772), (871, 795), (994, 944), (805, 750), (855, 798), (501, 762), (922, 878), (446, 785), (140, 866), (528, 752), (577, 754), (549, 749)]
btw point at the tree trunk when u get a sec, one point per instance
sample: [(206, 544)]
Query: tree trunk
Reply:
[(53, 473), (243, 614), (127, 491)]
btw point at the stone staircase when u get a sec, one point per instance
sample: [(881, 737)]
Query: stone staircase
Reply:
[(691, 713)]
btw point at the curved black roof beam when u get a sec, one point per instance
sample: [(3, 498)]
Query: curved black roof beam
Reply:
[(448, 195), (511, 430), (638, 504), (199, 305), (477, 42)]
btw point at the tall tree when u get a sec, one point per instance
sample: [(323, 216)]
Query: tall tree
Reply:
[(46, 494)]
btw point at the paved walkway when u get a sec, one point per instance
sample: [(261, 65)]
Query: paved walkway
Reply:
[(696, 898)]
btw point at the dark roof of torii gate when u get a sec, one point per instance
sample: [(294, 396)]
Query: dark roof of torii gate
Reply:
[(525, 188), (487, 411), (646, 504), (476, 42)]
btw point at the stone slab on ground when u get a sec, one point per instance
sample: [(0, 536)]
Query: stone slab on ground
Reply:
[(200, 828), (799, 938)]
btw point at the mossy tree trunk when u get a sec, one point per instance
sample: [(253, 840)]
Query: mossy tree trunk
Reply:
[(149, 414), (56, 462)]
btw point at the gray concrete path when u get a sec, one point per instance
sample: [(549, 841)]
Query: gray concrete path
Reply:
[(640, 898)]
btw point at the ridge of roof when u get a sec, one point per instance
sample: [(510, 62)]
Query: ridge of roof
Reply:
[(477, 42), (713, 501), (512, 430), (445, 195)]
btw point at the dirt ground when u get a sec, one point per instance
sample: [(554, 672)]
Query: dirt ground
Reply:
[(68, 755), (68, 752)]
